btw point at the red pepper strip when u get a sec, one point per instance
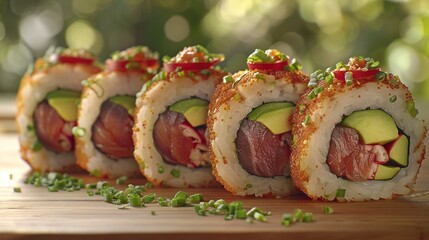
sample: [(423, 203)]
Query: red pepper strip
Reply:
[(171, 66), (276, 66), (121, 65), (357, 74), (75, 60)]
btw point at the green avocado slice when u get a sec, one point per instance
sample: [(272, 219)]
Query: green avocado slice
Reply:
[(65, 103), (386, 172), (126, 101), (275, 116), (399, 150), (374, 126), (193, 109)]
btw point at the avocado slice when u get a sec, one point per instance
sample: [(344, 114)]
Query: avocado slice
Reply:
[(386, 172), (267, 107), (65, 102), (275, 116), (126, 101), (196, 115), (374, 126), (193, 109), (398, 151)]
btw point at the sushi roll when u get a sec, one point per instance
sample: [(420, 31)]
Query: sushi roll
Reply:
[(47, 102), (170, 130), (249, 125), (356, 134), (104, 145)]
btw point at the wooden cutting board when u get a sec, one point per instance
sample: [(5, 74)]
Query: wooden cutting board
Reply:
[(38, 214)]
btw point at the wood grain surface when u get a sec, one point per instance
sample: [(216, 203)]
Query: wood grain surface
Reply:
[(36, 213)]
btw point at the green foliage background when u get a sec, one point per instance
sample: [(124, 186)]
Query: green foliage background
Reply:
[(318, 33)]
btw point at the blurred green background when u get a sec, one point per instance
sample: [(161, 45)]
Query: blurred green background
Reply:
[(318, 33)]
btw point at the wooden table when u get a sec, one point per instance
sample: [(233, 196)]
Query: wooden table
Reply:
[(38, 214)]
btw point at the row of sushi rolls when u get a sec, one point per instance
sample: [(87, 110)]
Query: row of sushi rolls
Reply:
[(349, 132)]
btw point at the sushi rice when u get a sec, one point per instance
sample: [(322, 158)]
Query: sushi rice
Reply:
[(232, 103)]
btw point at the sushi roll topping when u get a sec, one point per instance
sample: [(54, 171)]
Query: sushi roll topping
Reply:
[(59, 55), (271, 59), (69, 56), (138, 58), (358, 69), (190, 62), (192, 59)]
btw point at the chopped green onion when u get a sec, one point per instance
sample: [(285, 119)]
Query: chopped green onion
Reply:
[(179, 199), (340, 193), (293, 66), (393, 98), (259, 56), (36, 146), (191, 74), (195, 59), (219, 202), (228, 79), (307, 217), (101, 184), (328, 210), (204, 205), (297, 215), (175, 173), (52, 189), (249, 220), (178, 69), (181, 74), (306, 121), (162, 201), (96, 173), (248, 186), (10, 176), (301, 108), (90, 193), (166, 58), (149, 198), (349, 78), (380, 76), (229, 217), (339, 65), (237, 97), (206, 72), (148, 185), (329, 79), (135, 200), (121, 180), (161, 169), (315, 92), (17, 189), (211, 203), (78, 131), (200, 211), (152, 213), (286, 223), (240, 214), (91, 186), (132, 65), (142, 165), (196, 198), (410, 107), (259, 216), (258, 76), (287, 217)]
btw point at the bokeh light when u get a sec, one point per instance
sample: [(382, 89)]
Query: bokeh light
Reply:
[(81, 34), (176, 28)]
